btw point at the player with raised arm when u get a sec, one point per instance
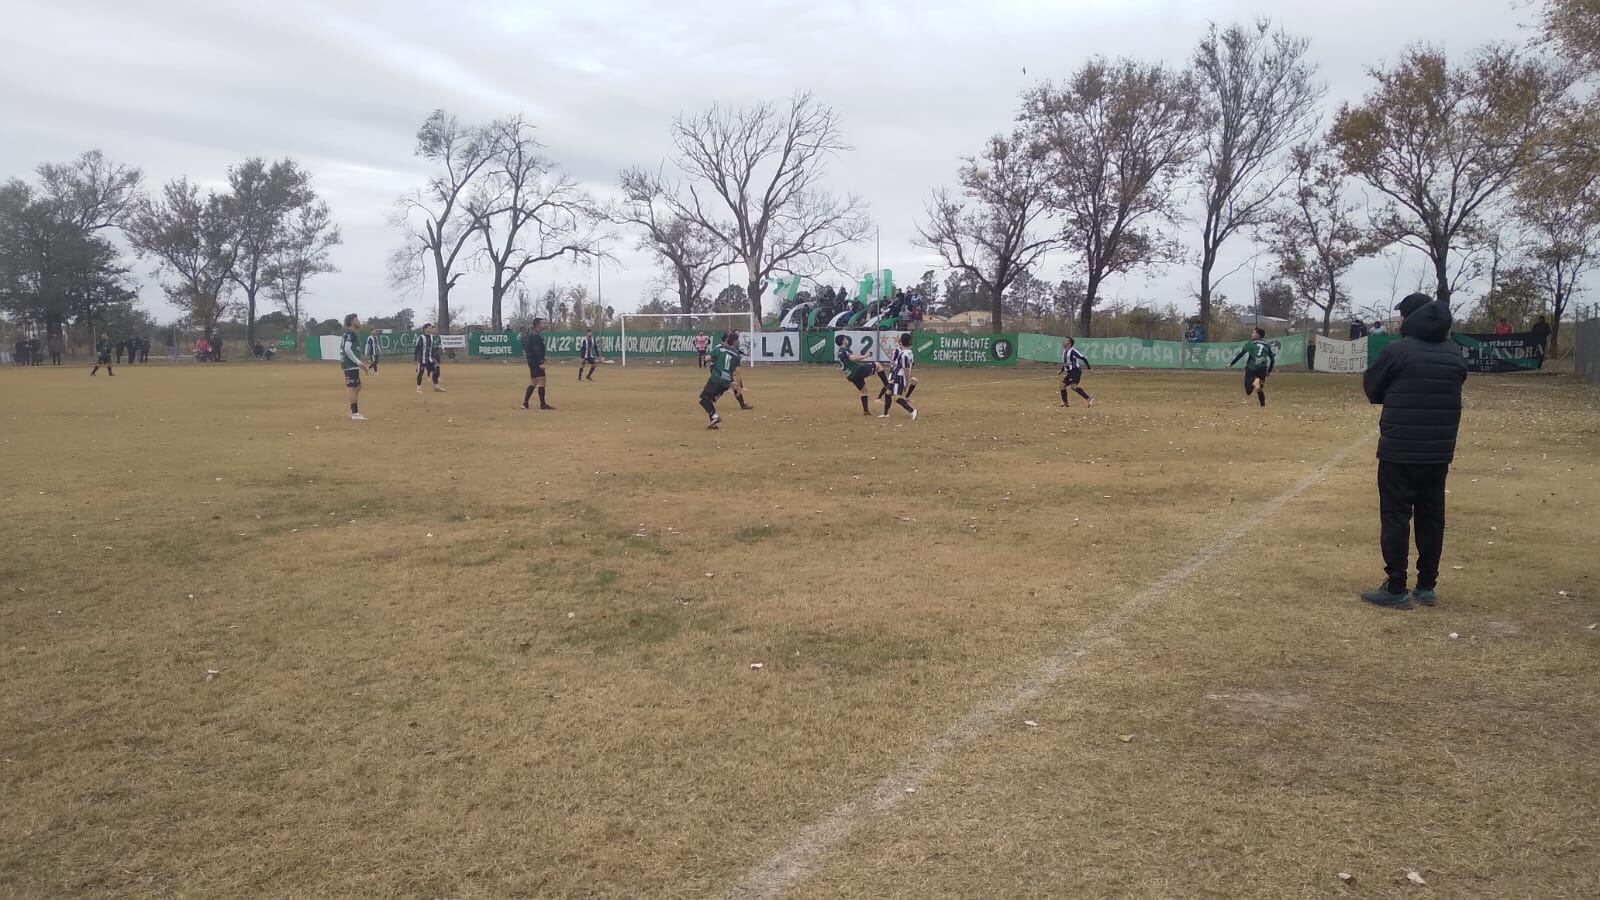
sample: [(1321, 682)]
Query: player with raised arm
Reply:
[(588, 354), (352, 364), (427, 357), (1073, 362), (533, 348), (725, 361), (1260, 363), (900, 364)]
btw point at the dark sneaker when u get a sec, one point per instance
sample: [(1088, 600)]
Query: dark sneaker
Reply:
[(1424, 596), (1388, 598)]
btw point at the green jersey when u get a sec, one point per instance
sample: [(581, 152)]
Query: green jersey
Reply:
[(102, 347), (851, 367), (723, 361), (1257, 355)]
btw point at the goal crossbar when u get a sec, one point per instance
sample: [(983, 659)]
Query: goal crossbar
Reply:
[(734, 319)]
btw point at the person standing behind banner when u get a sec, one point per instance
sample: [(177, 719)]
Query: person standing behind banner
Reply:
[(1358, 330), (1541, 333), (1502, 327), (1418, 380)]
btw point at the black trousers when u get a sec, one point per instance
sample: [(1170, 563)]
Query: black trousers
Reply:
[(1408, 491)]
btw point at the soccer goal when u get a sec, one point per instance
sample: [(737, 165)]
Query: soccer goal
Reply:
[(671, 335)]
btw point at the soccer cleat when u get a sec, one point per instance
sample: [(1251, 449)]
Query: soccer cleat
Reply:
[(524, 407), (357, 417), (419, 388), (1388, 598), (913, 415), (715, 422), (546, 406), (884, 416), (1425, 596), (1091, 401), (437, 389)]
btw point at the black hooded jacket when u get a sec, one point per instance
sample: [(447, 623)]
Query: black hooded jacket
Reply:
[(1418, 380)]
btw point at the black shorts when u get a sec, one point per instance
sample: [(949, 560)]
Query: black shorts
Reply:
[(352, 378), (898, 384), (105, 359), (372, 364), (534, 370), (587, 361), (859, 378), (428, 368), (714, 389), (1250, 375), (1074, 376)]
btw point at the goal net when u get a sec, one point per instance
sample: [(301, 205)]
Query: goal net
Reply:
[(667, 339)]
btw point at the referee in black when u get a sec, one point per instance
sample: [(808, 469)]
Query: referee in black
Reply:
[(533, 349)]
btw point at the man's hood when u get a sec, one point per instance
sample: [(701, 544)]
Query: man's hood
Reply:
[(1430, 323)]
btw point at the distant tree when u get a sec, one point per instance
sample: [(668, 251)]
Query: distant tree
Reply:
[(1442, 143), (1257, 99), (194, 240), (688, 253), (527, 211), (304, 253), (1118, 135), (963, 292), (755, 183), (1276, 298), (1558, 203), (1517, 298), (1028, 297), (436, 218), (1066, 298), (1001, 236), (262, 200), (731, 299), (1314, 234)]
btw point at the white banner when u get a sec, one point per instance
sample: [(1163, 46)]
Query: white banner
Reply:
[(774, 346), (1345, 357), (329, 345), (872, 344), (452, 342)]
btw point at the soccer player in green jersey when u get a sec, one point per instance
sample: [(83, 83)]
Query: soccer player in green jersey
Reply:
[(102, 349), (1259, 364), (725, 360), (353, 365), (857, 369)]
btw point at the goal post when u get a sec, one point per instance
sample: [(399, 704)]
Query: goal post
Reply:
[(710, 322)]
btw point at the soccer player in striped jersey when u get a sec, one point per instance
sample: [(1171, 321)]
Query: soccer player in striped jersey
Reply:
[(1260, 363), (588, 354), (857, 369), (1073, 362), (900, 364), (725, 361), (427, 357), (350, 361), (372, 352)]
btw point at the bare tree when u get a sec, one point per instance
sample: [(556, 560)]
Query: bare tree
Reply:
[(91, 193), (194, 238), (309, 238), (1559, 204), (688, 253), (526, 211), (1442, 143), (1315, 236), (1118, 134), (1000, 238), (438, 222), (1257, 100), (755, 179)]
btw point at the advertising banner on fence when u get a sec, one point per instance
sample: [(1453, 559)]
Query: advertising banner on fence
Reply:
[(1344, 357), (818, 346), (774, 346), (964, 349), (1141, 354), (1484, 353)]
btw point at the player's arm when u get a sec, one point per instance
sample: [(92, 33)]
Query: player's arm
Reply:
[(1238, 356), (1272, 360)]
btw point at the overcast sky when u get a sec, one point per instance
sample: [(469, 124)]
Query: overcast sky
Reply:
[(189, 87)]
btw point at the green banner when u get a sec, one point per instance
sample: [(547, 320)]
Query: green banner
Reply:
[(504, 344), (507, 344), (964, 349), (285, 342), (1141, 354)]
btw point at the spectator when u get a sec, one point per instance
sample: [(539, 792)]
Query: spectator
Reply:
[(1541, 333), (1502, 327), (1378, 328), (58, 345), (1358, 330), (36, 351), (1311, 353), (1418, 381)]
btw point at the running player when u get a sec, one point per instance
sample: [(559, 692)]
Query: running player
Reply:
[(372, 352), (857, 368), (724, 362), (1073, 362), (102, 350), (702, 350), (350, 361), (427, 357), (900, 378), (1260, 363), (533, 349), (588, 354)]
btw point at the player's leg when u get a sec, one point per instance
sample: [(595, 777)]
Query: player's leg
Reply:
[(539, 385), (1261, 389), (1077, 386), (1066, 382), (1249, 382), (913, 388), (859, 382), (435, 373), (352, 383), (738, 392)]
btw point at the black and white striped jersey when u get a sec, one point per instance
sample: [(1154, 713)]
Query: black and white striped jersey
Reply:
[(427, 352), (589, 348), (372, 346), (1073, 359), (900, 366)]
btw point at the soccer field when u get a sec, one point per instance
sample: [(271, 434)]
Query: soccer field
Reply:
[(252, 648)]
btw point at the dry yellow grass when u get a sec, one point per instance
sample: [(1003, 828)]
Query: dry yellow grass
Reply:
[(469, 651)]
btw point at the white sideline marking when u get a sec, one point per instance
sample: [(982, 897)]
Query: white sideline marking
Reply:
[(794, 864)]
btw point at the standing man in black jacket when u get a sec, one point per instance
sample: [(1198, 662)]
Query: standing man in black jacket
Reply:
[(533, 348), (1418, 380)]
